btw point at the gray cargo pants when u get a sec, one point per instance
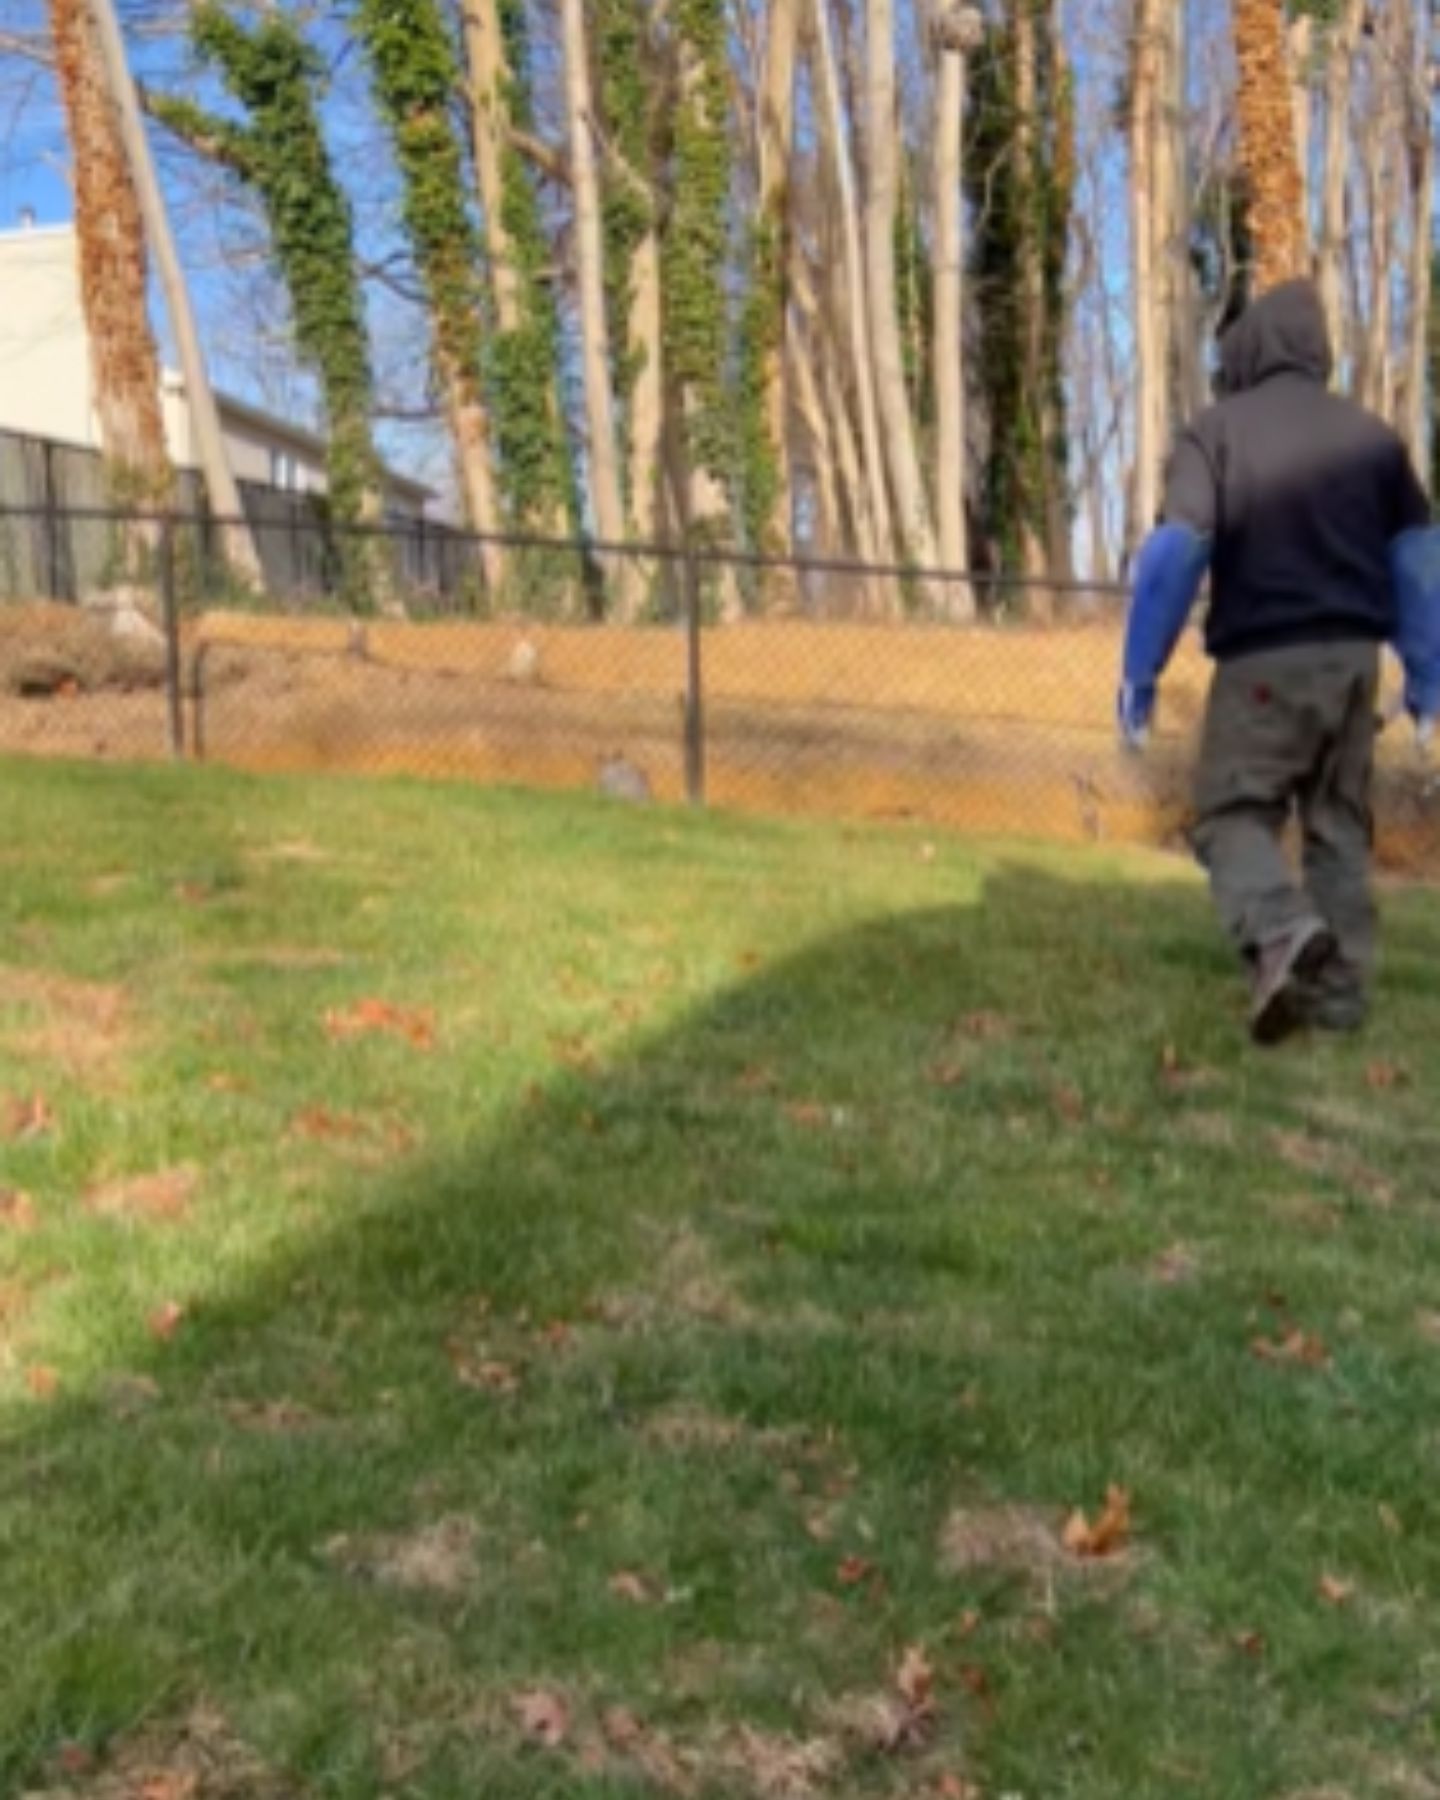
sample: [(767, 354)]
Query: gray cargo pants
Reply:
[(1287, 731)]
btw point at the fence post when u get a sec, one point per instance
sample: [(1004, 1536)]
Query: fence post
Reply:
[(170, 608), (694, 684), (52, 524)]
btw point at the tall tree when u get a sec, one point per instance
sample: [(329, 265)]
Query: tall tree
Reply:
[(773, 510), (281, 153), (416, 77), (602, 449), (1145, 92), (1342, 37), (1266, 117), (958, 32), (110, 237), (912, 504)]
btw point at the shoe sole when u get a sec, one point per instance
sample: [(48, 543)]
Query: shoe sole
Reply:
[(1283, 1011)]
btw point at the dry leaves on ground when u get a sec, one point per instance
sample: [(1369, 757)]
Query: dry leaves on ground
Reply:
[(1303, 1349), (434, 1559), (23, 1117), (1335, 1592), (199, 1759), (365, 1018), (543, 1716), (1108, 1536), (42, 1381), (17, 1210), (626, 1585), (165, 1320), (162, 1197)]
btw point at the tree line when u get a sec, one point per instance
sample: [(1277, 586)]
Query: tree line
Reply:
[(907, 281)]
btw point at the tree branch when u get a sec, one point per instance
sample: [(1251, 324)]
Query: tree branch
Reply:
[(216, 139)]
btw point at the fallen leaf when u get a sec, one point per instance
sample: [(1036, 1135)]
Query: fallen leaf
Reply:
[(756, 1080), (1249, 1643), (23, 1118), (986, 1027), (17, 1210), (809, 1114), (915, 1680), (320, 1124), (169, 1784), (1305, 1349), (956, 1787), (1175, 1267), (416, 1026), (625, 1584), (557, 1335), (42, 1381), (75, 1759), (486, 1376), (1069, 1103), (165, 1196), (1335, 1592), (976, 1683), (1107, 1536), (165, 1321), (948, 1074), (1428, 1325), (968, 1623), (853, 1570), (543, 1717), (1382, 1076)]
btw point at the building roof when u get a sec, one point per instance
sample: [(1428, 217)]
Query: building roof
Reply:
[(245, 413)]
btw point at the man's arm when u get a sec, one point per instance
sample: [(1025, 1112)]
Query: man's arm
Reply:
[(1415, 577), (1169, 572)]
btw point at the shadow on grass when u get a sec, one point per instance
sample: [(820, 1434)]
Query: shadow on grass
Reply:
[(745, 1315)]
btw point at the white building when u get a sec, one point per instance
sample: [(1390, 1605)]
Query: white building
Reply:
[(46, 383)]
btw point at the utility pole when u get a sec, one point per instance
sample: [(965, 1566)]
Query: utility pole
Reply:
[(200, 398)]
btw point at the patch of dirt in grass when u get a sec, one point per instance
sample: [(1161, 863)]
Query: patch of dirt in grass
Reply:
[(1019, 1540), (271, 1418), (199, 1759), (81, 1026), (688, 1282), (163, 1197), (435, 1559)]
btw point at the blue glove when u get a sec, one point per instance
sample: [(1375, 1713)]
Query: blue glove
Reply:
[(1168, 573), (1415, 575)]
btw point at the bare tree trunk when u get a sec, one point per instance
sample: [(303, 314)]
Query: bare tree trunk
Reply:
[(956, 34), (602, 459), (1267, 142), (911, 503), (489, 120), (820, 371), (1301, 45), (1149, 357), (777, 132), (647, 396), (837, 140), (110, 237), (817, 424), (1422, 71), (1339, 74), (200, 399)]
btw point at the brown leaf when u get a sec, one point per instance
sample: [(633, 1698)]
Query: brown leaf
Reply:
[(1069, 1103), (915, 1680), (164, 1196), (1382, 1076), (42, 1381), (169, 1784), (809, 1114), (74, 1759), (948, 1074), (853, 1570), (557, 1335), (543, 1717), (484, 1375), (1304, 1349), (1249, 1643), (986, 1027), (976, 1682), (625, 1584), (23, 1118), (17, 1210), (968, 1623), (949, 1786), (1175, 1267), (1107, 1536), (415, 1025), (165, 1321), (756, 1080), (1335, 1592), (320, 1124)]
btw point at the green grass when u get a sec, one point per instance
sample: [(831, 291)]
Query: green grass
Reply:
[(877, 1189)]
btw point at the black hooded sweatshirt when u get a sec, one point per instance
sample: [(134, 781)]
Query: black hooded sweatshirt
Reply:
[(1301, 492)]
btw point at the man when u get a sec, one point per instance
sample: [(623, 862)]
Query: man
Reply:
[(1307, 515)]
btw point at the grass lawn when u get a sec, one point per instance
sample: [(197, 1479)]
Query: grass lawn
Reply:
[(502, 1295)]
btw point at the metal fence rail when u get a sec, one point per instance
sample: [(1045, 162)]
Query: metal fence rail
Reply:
[(676, 671)]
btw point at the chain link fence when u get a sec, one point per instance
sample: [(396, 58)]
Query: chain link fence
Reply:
[(771, 684)]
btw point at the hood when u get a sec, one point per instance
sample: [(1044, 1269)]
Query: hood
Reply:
[(1282, 333)]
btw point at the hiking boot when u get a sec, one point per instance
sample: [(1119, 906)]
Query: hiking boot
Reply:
[(1284, 970), (1337, 1001)]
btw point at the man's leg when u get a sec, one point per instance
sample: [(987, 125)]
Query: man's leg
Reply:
[(1259, 745), (1335, 806)]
